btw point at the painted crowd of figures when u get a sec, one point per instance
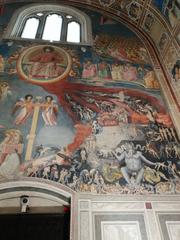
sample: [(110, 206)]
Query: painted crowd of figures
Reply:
[(145, 157), (124, 139), (120, 72)]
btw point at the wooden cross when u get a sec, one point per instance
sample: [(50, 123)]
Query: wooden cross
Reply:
[(32, 134)]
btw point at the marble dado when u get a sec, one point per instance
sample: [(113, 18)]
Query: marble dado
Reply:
[(168, 206), (173, 229), (129, 230), (123, 206), (84, 229), (129, 219), (115, 206), (84, 204)]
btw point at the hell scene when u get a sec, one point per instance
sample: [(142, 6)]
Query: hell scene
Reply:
[(90, 117)]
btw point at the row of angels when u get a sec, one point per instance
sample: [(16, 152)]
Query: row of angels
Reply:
[(24, 108)]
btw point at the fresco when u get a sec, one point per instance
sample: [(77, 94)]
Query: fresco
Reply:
[(178, 38), (131, 8), (106, 3), (44, 63), (91, 118), (149, 22), (170, 9), (175, 72), (172, 64), (163, 41)]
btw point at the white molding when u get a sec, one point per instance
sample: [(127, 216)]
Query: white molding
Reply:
[(129, 197), (35, 187)]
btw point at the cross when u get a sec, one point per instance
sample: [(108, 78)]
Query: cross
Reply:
[(32, 134)]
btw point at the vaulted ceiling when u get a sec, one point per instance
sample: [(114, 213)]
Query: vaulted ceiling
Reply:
[(153, 17)]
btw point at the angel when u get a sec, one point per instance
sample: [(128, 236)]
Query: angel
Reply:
[(26, 106), (49, 111)]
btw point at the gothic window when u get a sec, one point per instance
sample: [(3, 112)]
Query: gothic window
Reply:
[(52, 27), (50, 22), (73, 32), (30, 28)]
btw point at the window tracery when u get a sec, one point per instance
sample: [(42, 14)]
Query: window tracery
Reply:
[(50, 22)]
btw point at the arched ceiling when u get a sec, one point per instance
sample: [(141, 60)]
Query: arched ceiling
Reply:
[(156, 18)]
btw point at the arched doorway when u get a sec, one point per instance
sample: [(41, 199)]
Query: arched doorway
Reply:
[(34, 209)]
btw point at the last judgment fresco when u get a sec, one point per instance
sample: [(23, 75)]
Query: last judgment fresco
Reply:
[(91, 118)]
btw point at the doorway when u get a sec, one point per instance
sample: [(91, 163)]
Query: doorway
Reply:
[(35, 226)]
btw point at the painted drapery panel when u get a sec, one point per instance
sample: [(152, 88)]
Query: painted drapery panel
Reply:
[(91, 118)]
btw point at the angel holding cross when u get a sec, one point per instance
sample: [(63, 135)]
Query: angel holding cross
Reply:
[(25, 106)]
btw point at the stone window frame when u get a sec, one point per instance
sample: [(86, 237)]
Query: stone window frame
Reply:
[(19, 17)]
